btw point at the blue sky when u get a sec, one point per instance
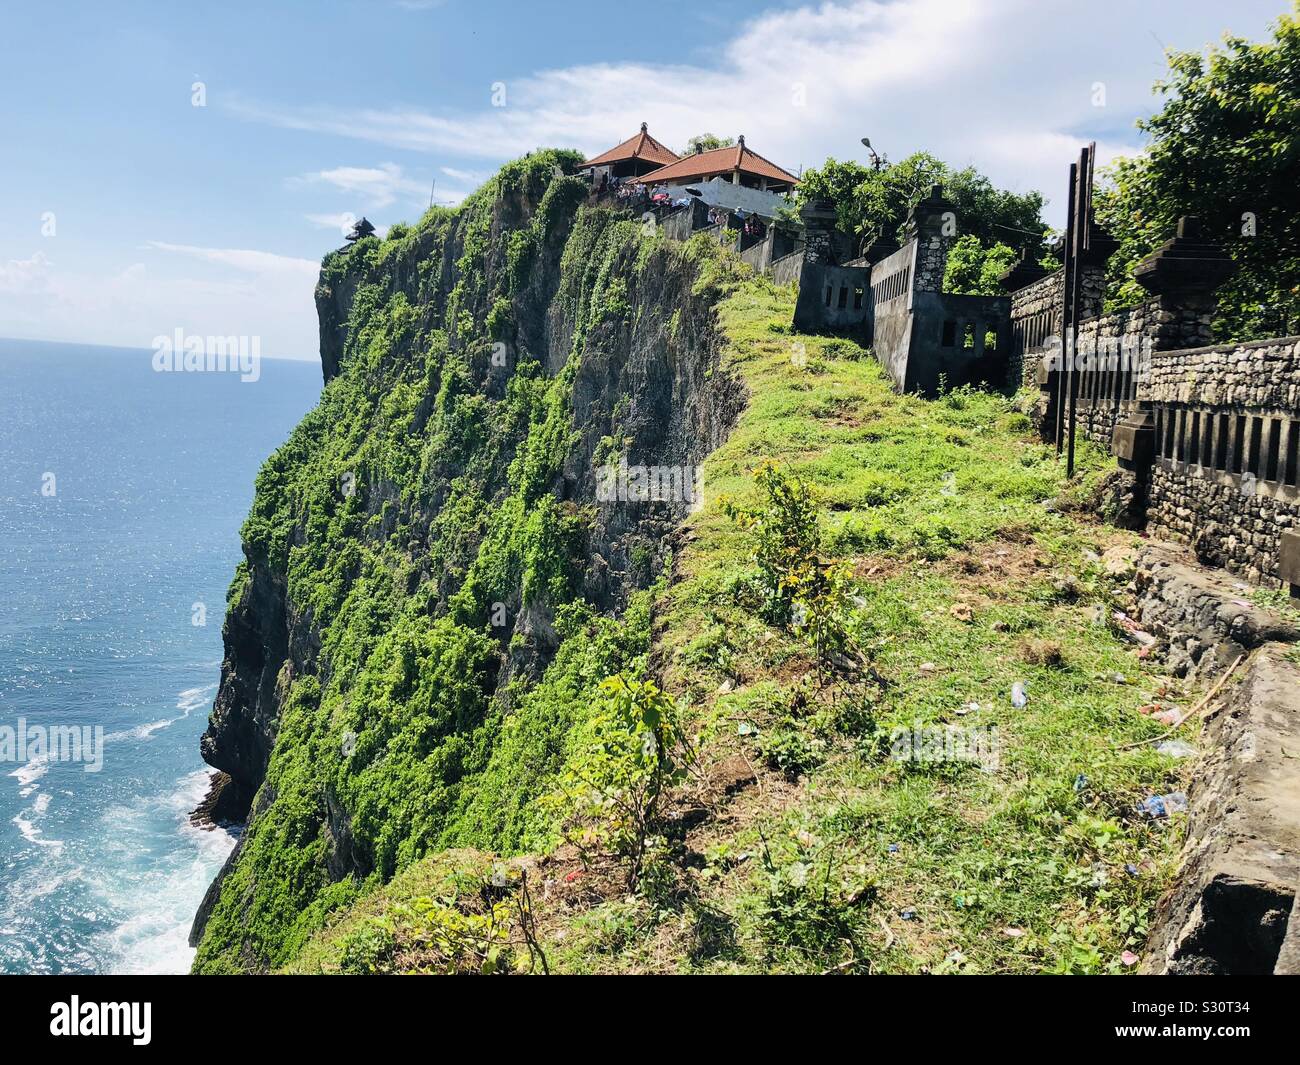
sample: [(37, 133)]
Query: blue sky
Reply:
[(127, 212)]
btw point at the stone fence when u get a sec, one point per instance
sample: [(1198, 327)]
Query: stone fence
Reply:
[(1207, 437), (1227, 453)]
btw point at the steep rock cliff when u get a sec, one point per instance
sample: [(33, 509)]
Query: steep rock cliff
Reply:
[(426, 558)]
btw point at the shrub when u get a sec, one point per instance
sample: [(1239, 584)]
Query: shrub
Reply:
[(630, 751), (799, 588)]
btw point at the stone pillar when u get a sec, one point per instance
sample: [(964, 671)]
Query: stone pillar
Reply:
[(819, 226), (1183, 273), (933, 225), (880, 249), (1025, 272)]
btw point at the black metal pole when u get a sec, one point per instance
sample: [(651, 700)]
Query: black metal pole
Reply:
[(1081, 206), (1063, 365)]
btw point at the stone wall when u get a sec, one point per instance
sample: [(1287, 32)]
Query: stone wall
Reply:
[(1227, 452), (1035, 316)]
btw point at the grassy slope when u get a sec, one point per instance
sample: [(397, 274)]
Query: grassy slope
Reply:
[(937, 503)]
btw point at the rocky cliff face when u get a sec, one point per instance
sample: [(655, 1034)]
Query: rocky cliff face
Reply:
[(421, 550)]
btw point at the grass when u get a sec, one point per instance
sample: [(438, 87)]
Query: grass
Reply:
[(975, 568)]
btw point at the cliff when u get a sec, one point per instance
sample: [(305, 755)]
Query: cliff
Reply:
[(481, 717), (426, 543)]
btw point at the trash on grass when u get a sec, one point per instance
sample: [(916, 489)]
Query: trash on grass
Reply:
[(1157, 806)]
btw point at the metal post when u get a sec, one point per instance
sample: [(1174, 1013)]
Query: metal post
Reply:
[(1068, 269)]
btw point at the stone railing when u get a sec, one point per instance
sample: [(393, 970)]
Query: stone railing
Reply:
[(1227, 453)]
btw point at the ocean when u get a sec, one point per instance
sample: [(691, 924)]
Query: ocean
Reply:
[(122, 491)]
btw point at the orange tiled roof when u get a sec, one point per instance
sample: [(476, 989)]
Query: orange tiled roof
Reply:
[(642, 146), (719, 161)]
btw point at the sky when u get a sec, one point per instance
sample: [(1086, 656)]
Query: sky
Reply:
[(171, 166)]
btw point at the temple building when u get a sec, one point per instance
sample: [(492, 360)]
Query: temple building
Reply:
[(733, 178), (636, 156)]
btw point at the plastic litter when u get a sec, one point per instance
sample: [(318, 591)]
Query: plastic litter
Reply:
[(893, 848), (1156, 806), (907, 915), (967, 708), (1018, 696), (1131, 869), (1129, 958), (1081, 782), (1175, 749)]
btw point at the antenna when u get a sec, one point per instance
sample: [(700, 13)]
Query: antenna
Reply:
[(432, 184)]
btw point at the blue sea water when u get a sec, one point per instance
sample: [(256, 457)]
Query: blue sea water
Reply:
[(101, 583)]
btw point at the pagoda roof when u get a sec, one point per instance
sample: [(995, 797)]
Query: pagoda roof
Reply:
[(719, 161), (640, 146)]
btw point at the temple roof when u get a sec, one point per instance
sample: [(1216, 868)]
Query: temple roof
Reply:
[(641, 146), (719, 161)]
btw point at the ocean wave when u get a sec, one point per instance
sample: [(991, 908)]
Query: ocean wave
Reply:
[(32, 771), (157, 903), (187, 701), (192, 699), (32, 834), (140, 732)]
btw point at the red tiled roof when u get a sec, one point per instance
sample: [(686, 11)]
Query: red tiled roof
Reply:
[(642, 146), (719, 161)]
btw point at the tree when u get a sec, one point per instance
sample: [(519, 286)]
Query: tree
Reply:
[(706, 142), (1225, 147), (974, 269), (872, 202)]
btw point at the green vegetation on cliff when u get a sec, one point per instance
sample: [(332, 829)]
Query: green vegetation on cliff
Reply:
[(408, 523), (443, 796)]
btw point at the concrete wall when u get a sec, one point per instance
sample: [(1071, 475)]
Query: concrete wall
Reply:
[(680, 224), (761, 252), (833, 299), (957, 340), (925, 337), (891, 300), (787, 269)]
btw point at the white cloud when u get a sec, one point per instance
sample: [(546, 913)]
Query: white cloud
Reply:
[(232, 291), (259, 263), (467, 177), (25, 276), (374, 187), (1004, 84)]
